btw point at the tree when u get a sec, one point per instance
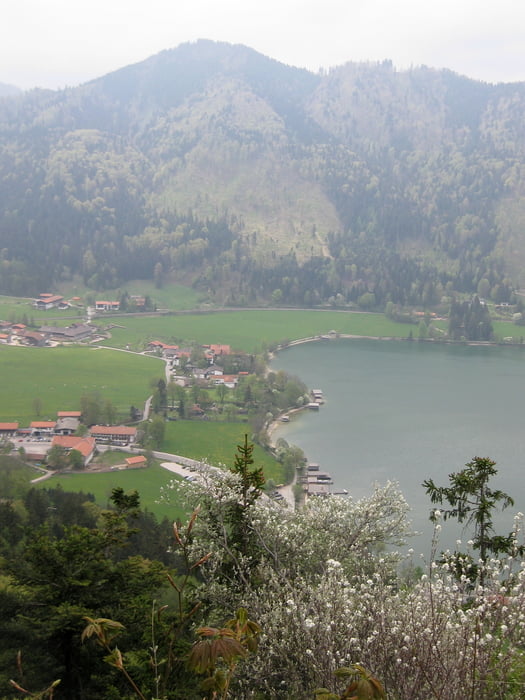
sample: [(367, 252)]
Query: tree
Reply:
[(472, 501), (37, 405), (76, 460), (155, 432), (57, 457), (221, 393), (58, 581)]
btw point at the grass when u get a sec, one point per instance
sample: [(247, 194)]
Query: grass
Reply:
[(249, 331), (60, 376), (217, 443), (148, 482), (214, 442), (14, 309)]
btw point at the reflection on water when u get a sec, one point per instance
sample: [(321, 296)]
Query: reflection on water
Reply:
[(402, 411)]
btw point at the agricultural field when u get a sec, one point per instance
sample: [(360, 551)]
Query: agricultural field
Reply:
[(250, 331), (56, 378), (148, 482)]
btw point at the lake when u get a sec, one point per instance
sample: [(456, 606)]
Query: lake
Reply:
[(408, 411)]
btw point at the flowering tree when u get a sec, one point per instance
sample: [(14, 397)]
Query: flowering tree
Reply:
[(327, 593)]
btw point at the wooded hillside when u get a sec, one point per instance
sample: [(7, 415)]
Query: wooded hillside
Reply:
[(250, 178)]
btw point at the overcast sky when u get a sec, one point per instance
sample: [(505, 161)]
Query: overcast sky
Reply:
[(54, 43)]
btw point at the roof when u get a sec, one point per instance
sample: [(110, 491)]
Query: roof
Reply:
[(84, 445), (9, 426), (49, 298), (43, 424), (69, 414), (133, 461), (112, 430), (220, 349)]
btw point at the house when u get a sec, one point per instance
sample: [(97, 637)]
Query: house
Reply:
[(117, 434), (217, 350), (8, 429), (107, 305), (85, 445), (33, 338), (155, 345), (136, 461), (69, 414), (214, 371), (42, 427), (73, 333), (67, 425), (229, 380), (48, 301)]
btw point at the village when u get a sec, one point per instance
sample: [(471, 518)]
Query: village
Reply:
[(68, 442)]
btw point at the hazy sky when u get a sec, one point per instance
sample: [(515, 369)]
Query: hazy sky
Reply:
[(54, 43)]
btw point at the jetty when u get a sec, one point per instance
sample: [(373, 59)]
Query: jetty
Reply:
[(316, 482)]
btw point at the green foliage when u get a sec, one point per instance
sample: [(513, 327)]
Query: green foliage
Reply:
[(362, 685), (471, 500), (416, 175), (219, 651), (470, 320)]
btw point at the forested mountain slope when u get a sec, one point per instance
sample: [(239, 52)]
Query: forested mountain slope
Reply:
[(250, 177)]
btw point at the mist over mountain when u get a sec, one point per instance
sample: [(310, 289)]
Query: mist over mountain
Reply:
[(214, 164), (7, 90)]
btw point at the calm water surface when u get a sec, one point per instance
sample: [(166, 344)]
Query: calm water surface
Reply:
[(409, 411)]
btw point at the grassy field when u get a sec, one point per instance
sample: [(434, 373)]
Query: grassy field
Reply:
[(13, 309), (60, 376), (147, 482), (217, 443), (174, 297), (249, 331)]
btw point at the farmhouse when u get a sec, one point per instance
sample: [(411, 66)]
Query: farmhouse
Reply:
[(48, 301), (107, 305), (32, 338), (42, 427), (85, 445), (67, 425), (72, 333), (119, 434), (8, 429)]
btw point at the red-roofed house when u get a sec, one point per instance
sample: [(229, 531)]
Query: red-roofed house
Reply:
[(85, 445), (119, 434), (69, 414), (8, 429), (220, 349), (107, 305), (48, 301), (39, 427)]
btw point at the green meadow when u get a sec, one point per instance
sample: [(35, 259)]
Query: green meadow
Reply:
[(148, 482), (216, 443), (250, 330), (59, 376)]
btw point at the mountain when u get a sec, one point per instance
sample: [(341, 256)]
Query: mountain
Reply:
[(215, 164)]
